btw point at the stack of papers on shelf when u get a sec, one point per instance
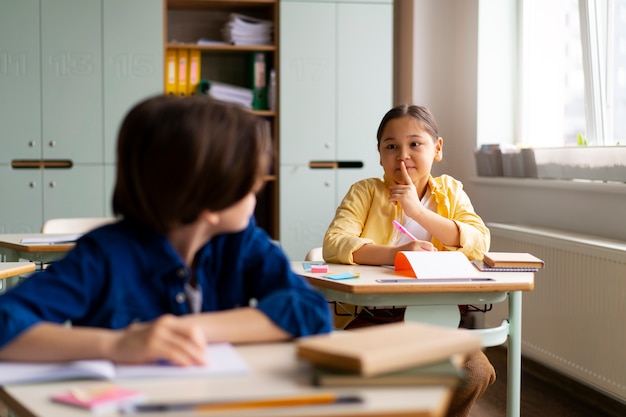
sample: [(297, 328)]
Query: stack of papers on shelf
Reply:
[(231, 93), (247, 30)]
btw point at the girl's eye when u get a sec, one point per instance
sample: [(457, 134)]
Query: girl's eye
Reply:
[(414, 144), (391, 147)]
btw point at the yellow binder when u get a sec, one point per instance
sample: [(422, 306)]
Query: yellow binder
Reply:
[(171, 63), (183, 70), (193, 79)]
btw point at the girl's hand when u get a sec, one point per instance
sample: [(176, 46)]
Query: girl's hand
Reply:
[(417, 245), (405, 194), (169, 338)]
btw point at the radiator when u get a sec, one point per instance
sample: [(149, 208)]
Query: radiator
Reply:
[(574, 321)]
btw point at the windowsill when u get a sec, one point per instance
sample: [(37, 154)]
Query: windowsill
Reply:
[(576, 185)]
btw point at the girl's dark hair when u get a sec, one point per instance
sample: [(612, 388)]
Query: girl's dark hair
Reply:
[(178, 156), (419, 113)]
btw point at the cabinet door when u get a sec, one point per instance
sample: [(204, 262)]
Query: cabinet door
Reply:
[(307, 206), (75, 192), (22, 207), (307, 82), (20, 118), (364, 86), (133, 60), (71, 32)]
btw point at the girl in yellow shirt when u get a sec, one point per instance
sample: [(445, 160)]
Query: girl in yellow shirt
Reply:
[(435, 210)]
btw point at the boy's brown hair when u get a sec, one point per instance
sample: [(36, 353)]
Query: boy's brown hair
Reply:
[(178, 156)]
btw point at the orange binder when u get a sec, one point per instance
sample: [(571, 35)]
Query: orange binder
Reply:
[(193, 78), (171, 76), (183, 70)]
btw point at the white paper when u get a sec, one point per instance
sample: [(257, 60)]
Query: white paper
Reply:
[(439, 265), (222, 359)]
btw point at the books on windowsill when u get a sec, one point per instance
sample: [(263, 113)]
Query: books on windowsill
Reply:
[(512, 260), (386, 348)]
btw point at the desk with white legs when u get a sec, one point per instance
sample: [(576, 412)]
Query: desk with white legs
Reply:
[(275, 372), (437, 303), (12, 249)]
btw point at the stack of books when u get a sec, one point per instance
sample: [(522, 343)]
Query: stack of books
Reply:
[(247, 30), (509, 262), (389, 354), (231, 93)]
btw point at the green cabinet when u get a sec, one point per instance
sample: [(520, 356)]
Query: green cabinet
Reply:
[(69, 71), (336, 84)]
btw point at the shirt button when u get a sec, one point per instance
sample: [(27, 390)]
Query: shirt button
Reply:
[(181, 273), (180, 298)]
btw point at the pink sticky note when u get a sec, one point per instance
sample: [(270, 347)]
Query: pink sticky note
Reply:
[(319, 268)]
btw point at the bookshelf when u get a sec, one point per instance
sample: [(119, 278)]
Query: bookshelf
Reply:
[(188, 21)]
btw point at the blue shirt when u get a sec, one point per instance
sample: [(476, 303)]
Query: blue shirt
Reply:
[(123, 273)]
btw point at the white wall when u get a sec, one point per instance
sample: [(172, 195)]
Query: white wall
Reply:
[(445, 63)]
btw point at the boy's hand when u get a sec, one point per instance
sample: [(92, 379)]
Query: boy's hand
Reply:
[(405, 194), (168, 338)]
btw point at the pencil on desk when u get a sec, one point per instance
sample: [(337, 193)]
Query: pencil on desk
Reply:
[(242, 404)]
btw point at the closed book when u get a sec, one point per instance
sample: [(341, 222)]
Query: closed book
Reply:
[(481, 266), (171, 71), (183, 72), (386, 348), (512, 260), (193, 78), (447, 372)]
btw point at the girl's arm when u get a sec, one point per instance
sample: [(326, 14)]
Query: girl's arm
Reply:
[(372, 254)]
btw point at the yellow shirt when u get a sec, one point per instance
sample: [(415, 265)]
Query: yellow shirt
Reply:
[(365, 215)]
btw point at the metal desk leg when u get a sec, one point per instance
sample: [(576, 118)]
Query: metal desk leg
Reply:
[(514, 356)]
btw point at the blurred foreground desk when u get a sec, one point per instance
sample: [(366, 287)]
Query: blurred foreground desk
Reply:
[(13, 269), (275, 371), (437, 303)]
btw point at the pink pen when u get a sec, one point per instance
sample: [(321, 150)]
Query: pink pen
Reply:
[(402, 229)]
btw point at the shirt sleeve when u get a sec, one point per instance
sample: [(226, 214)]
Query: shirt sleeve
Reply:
[(343, 236), (285, 297), (474, 234)]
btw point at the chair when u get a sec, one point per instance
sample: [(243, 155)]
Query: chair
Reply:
[(74, 225), (314, 255)]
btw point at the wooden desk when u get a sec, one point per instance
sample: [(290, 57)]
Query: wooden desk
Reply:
[(12, 269), (12, 249), (275, 372), (437, 303)]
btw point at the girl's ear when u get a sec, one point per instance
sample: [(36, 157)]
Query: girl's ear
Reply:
[(439, 149)]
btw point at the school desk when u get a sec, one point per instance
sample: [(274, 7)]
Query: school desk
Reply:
[(14, 269), (275, 372), (12, 249), (437, 303)]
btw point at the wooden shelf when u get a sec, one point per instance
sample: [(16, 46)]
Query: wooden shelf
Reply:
[(189, 21)]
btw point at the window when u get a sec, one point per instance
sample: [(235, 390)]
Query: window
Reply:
[(572, 73)]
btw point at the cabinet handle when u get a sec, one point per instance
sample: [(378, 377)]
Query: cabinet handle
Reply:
[(32, 184), (41, 163), (52, 143), (53, 184), (32, 144), (335, 164)]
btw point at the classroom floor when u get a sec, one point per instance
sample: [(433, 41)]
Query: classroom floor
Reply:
[(545, 393)]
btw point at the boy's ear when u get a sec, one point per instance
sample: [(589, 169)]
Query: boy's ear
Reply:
[(211, 217)]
